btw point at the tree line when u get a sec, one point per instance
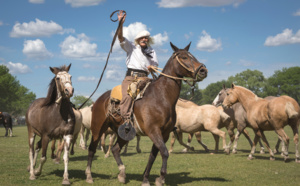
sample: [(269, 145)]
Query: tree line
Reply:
[(282, 82), (15, 98)]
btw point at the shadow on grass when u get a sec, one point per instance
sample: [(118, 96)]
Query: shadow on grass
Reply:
[(81, 158), (78, 174), (174, 178)]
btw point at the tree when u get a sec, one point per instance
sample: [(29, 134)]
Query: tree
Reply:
[(285, 82), (14, 98), (77, 100), (253, 80), (212, 90), (186, 93)]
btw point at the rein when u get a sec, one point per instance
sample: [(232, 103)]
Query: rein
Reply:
[(110, 51)]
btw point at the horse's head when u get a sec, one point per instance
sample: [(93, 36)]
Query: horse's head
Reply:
[(220, 97), (231, 97), (63, 81), (193, 68)]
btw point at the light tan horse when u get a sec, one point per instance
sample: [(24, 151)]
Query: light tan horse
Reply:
[(192, 118), (265, 115)]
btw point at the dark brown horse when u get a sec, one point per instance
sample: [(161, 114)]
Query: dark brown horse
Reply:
[(155, 114), (51, 118)]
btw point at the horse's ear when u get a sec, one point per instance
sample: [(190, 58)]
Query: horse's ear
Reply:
[(188, 47), (54, 70), (68, 68), (232, 85), (175, 49), (224, 86)]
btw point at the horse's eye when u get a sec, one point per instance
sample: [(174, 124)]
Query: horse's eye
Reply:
[(184, 57), (57, 78)]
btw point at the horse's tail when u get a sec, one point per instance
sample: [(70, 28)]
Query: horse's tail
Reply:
[(291, 111), (224, 117)]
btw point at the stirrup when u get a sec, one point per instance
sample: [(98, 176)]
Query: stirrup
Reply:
[(126, 131)]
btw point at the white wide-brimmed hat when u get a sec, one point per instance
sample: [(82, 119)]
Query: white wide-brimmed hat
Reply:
[(143, 33)]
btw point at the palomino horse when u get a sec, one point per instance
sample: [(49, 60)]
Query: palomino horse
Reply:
[(155, 114), (51, 118), (6, 120), (238, 120), (264, 115), (86, 113), (192, 118)]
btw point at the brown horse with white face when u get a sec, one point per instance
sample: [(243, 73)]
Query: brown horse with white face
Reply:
[(264, 115), (51, 118), (155, 113)]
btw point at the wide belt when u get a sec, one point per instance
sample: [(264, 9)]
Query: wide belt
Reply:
[(137, 73)]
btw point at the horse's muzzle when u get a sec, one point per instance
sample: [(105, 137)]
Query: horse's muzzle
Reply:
[(201, 73), (69, 91)]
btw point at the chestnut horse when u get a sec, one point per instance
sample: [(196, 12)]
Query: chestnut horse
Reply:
[(51, 118), (155, 114), (239, 121), (264, 115)]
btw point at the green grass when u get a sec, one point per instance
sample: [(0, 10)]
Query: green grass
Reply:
[(193, 168)]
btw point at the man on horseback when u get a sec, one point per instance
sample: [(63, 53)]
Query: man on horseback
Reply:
[(140, 56)]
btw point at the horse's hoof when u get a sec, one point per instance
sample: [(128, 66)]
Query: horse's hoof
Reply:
[(206, 150), (121, 178), (159, 181), (146, 183), (192, 149), (286, 159), (138, 151), (55, 161), (272, 158), (170, 151), (106, 156), (32, 177), (234, 152), (262, 152), (66, 182), (250, 158), (184, 150), (89, 179), (297, 160), (227, 151), (72, 153)]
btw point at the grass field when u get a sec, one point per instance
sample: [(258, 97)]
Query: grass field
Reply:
[(193, 168)]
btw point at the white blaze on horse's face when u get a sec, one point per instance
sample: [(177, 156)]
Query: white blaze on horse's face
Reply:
[(216, 100), (65, 83)]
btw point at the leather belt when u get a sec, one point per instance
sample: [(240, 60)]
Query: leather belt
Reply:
[(138, 73)]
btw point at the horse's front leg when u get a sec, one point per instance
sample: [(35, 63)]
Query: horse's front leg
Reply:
[(267, 145), (92, 150), (67, 143), (158, 145), (116, 149), (256, 138)]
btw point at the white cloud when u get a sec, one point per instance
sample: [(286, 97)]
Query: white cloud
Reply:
[(228, 63), (1, 23), (246, 63), (36, 29), (297, 13), (79, 47), (133, 29), (190, 3), (85, 79), (115, 75), (206, 43), (37, 1), (284, 38), (81, 3), (36, 49), (18, 68)]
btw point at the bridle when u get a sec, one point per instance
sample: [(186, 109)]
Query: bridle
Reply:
[(190, 82)]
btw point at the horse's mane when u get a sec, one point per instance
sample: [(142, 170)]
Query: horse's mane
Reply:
[(52, 93), (248, 91)]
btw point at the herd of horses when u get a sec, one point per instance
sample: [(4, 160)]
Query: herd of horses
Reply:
[(157, 115)]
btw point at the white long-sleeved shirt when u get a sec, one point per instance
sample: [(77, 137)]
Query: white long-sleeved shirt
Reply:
[(135, 57)]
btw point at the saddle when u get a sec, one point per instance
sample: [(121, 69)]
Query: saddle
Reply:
[(136, 89)]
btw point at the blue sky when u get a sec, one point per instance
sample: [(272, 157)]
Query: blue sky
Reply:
[(228, 36)]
